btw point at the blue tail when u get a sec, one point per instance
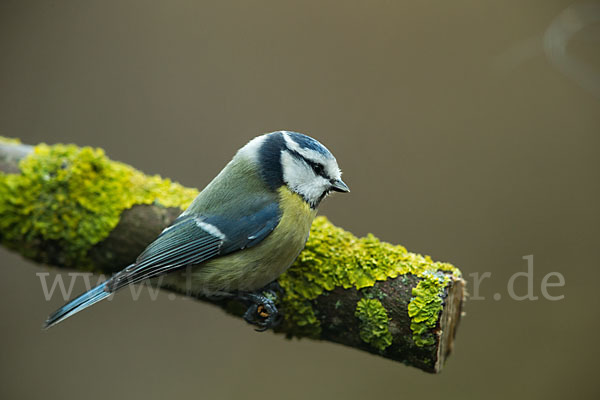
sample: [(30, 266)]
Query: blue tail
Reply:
[(82, 302)]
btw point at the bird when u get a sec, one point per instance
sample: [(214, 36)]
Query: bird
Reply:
[(242, 231)]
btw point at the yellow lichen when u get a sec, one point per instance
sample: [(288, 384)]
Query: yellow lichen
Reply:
[(425, 307), (335, 258), (74, 197), (373, 323)]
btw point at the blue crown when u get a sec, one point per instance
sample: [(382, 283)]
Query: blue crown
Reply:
[(307, 142)]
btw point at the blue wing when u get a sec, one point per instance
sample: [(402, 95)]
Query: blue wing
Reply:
[(191, 239), (194, 238)]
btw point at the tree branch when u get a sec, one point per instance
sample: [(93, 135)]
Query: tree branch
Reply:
[(74, 208)]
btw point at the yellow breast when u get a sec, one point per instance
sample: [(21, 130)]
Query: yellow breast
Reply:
[(255, 267)]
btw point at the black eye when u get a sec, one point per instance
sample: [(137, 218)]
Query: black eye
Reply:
[(318, 168)]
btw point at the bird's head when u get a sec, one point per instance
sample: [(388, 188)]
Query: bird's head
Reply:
[(298, 161)]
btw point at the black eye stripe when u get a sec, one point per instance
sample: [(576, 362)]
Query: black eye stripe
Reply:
[(319, 169)]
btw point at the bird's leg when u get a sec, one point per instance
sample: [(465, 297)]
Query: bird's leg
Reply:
[(262, 310)]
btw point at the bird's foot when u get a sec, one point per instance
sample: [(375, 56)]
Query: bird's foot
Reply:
[(262, 311)]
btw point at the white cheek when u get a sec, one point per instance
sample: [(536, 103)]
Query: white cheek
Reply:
[(323, 184), (301, 178), (295, 172)]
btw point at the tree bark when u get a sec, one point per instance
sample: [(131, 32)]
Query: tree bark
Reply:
[(358, 292)]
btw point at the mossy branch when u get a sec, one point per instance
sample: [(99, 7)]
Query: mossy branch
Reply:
[(74, 208)]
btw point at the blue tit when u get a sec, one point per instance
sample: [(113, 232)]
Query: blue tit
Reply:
[(241, 232)]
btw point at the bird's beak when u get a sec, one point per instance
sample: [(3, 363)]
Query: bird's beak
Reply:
[(339, 186)]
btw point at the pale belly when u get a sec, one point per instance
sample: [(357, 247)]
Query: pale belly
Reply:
[(253, 268)]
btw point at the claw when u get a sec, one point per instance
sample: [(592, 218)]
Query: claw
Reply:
[(262, 310)]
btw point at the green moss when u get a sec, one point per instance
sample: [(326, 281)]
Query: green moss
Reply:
[(373, 323), (74, 197), (425, 307), (335, 258)]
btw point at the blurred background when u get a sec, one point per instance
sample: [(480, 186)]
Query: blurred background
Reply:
[(467, 130)]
